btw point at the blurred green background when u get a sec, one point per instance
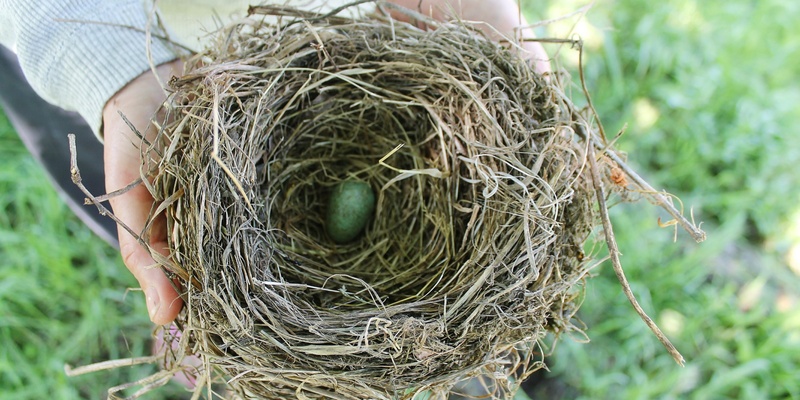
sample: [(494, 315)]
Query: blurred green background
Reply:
[(64, 295), (710, 95)]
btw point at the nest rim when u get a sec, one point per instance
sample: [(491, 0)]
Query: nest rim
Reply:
[(419, 325)]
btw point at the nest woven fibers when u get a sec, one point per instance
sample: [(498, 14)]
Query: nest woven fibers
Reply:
[(484, 198)]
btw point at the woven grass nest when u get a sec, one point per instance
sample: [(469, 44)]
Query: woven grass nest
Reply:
[(484, 200)]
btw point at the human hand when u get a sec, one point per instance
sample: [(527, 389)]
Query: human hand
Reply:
[(503, 16), (138, 101)]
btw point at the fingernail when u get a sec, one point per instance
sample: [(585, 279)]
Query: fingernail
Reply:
[(153, 301)]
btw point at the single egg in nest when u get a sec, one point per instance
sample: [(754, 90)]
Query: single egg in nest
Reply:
[(350, 207)]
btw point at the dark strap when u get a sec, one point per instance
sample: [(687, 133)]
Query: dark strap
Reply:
[(43, 128)]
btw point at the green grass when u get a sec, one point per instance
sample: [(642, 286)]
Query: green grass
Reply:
[(710, 93), (63, 297)]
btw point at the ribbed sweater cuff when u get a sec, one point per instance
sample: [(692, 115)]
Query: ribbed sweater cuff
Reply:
[(77, 54)]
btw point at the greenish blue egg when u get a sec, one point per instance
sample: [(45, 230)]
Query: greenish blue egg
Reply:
[(350, 207)]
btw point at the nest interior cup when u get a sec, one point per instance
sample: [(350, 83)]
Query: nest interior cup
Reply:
[(482, 205)]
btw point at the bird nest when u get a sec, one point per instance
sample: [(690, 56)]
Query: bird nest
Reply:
[(484, 198)]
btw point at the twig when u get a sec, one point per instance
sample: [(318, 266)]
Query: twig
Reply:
[(97, 201), (78, 181), (600, 144), (309, 16), (106, 365), (586, 91), (657, 197), (105, 197), (613, 252)]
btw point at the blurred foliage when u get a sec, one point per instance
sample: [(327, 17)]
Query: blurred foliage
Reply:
[(712, 96), (63, 292), (711, 99)]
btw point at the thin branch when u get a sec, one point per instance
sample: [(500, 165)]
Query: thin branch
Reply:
[(106, 365), (105, 197), (658, 197), (92, 199), (586, 92), (613, 252), (655, 196), (78, 181)]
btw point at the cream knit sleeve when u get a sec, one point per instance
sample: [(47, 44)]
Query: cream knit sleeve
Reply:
[(78, 53)]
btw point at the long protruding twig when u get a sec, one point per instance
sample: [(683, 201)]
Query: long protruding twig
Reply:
[(75, 174), (599, 144), (613, 252), (657, 197)]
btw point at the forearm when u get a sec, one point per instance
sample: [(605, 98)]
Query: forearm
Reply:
[(77, 53)]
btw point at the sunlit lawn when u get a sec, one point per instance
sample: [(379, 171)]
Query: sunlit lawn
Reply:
[(710, 95), (64, 295)]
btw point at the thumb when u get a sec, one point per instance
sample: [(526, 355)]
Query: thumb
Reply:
[(138, 101), (133, 209)]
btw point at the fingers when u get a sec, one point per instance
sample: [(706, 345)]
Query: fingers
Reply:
[(138, 101), (133, 208), (539, 56), (502, 16)]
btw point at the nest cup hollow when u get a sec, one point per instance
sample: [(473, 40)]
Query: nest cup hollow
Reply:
[(482, 206)]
